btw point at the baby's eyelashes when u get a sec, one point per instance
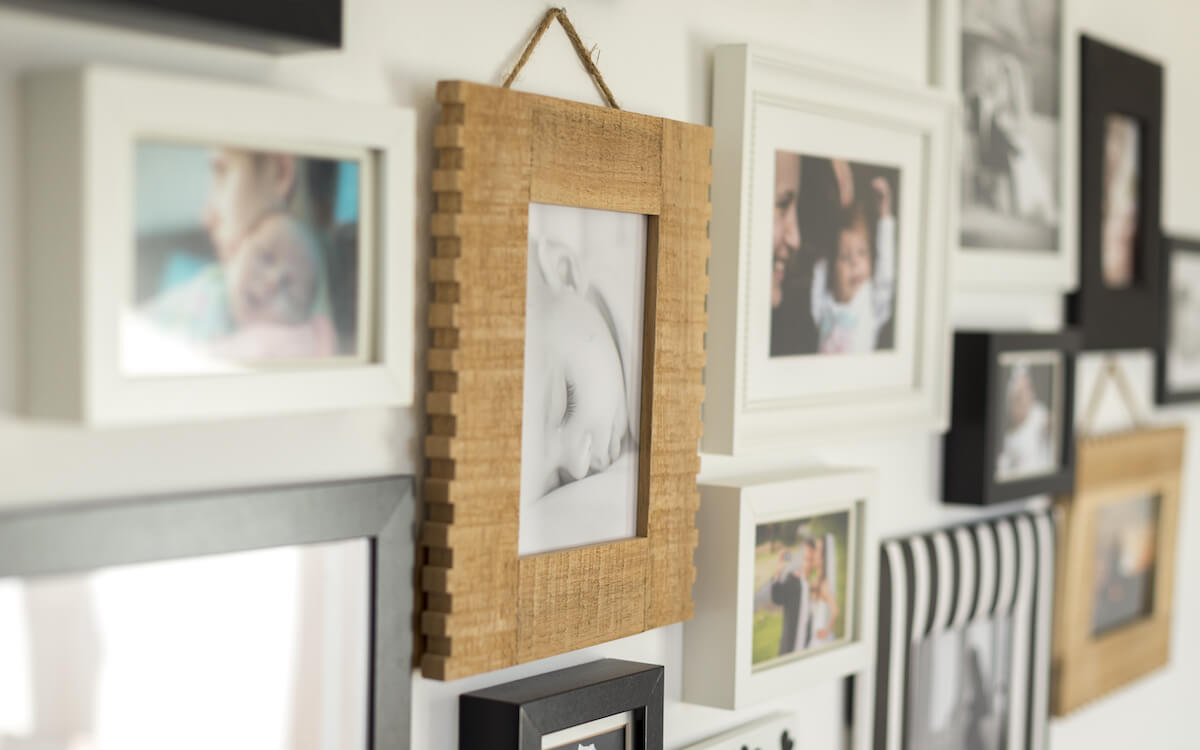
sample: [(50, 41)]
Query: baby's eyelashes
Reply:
[(569, 403)]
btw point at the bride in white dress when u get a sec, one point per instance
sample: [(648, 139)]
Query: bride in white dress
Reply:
[(824, 608)]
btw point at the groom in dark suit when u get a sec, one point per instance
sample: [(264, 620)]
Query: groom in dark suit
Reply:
[(789, 589)]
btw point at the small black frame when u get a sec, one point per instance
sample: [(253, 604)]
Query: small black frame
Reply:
[(1118, 82), (1163, 392), (516, 715), (971, 445), (277, 26), (63, 539)]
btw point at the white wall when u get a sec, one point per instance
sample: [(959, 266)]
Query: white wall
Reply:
[(656, 57)]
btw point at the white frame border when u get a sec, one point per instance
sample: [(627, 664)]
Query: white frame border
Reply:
[(717, 641), (743, 73), (1001, 268), (81, 123)]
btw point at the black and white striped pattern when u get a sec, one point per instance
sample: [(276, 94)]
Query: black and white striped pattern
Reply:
[(949, 578)]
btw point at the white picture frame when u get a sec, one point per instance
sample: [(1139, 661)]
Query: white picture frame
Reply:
[(766, 100), (1007, 268), (81, 128), (718, 641), (767, 733)]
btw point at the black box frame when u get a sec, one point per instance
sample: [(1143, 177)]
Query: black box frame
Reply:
[(1162, 390), (970, 450), (1118, 82), (277, 26), (516, 715)]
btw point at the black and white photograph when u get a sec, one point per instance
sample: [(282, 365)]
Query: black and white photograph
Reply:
[(1126, 557), (245, 259), (1119, 202), (584, 312), (1011, 60), (609, 733), (834, 275), (959, 688), (1029, 439), (1181, 363)]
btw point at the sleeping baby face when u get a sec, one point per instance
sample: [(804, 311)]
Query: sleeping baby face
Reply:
[(274, 274), (575, 385)]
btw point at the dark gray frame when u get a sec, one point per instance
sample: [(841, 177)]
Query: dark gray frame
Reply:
[(515, 715), (79, 538), (1162, 390), (969, 452)]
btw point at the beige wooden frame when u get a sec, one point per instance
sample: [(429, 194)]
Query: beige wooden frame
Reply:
[(497, 151), (1112, 469)]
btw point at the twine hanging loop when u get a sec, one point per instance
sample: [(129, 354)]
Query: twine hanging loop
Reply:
[(585, 57), (1112, 371)]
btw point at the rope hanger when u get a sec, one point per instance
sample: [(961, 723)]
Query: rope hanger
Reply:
[(1112, 371), (585, 57)]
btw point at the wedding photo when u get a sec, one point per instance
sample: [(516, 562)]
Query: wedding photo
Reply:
[(245, 259), (1183, 310), (1119, 204), (1011, 62), (801, 585), (835, 235), (1126, 550), (584, 311), (1030, 408), (959, 688)]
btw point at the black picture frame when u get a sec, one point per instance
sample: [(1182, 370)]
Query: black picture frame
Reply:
[(1119, 82), (79, 538), (1163, 392), (516, 715), (970, 447), (276, 26)]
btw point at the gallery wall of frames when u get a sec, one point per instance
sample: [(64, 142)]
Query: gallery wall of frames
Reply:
[(834, 391)]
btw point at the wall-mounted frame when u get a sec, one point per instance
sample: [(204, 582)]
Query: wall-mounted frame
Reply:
[(775, 732), (964, 637), (1011, 425), (1119, 304), (1177, 365), (784, 587), (1015, 67), (565, 376), (607, 705), (202, 250), (131, 606), (1116, 564), (278, 27), (815, 162)]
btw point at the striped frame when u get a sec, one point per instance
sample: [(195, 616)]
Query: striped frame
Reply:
[(947, 579)]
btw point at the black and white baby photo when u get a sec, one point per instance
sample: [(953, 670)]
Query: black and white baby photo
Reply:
[(584, 308), (1010, 88), (1183, 347), (1029, 415), (959, 688)]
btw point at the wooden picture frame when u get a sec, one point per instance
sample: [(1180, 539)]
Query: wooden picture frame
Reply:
[(795, 367), (1094, 657), (499, 151), (982, 465), (728, 655), (100, 354), (267, 27), (1181, 261), (981, 264), (1118, 305), (77, 539), (992, 580), (558, 709)]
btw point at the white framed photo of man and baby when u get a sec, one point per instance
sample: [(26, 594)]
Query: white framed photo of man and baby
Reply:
[(783, 589), (205, 250), (833, 185)]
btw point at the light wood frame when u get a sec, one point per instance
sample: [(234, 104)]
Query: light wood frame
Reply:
[(499, 150), (1112, 469), (718, 642)]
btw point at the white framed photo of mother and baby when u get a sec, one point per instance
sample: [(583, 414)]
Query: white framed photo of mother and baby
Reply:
[(204, 250), (830, 269), (785, 588)]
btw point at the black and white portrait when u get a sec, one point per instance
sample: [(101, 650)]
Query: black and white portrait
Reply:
[(1029, 423), (959, 688), (833, 277), (1011, 61), (1183, 350), (584, 307), (1126, 555), (609, 733)]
